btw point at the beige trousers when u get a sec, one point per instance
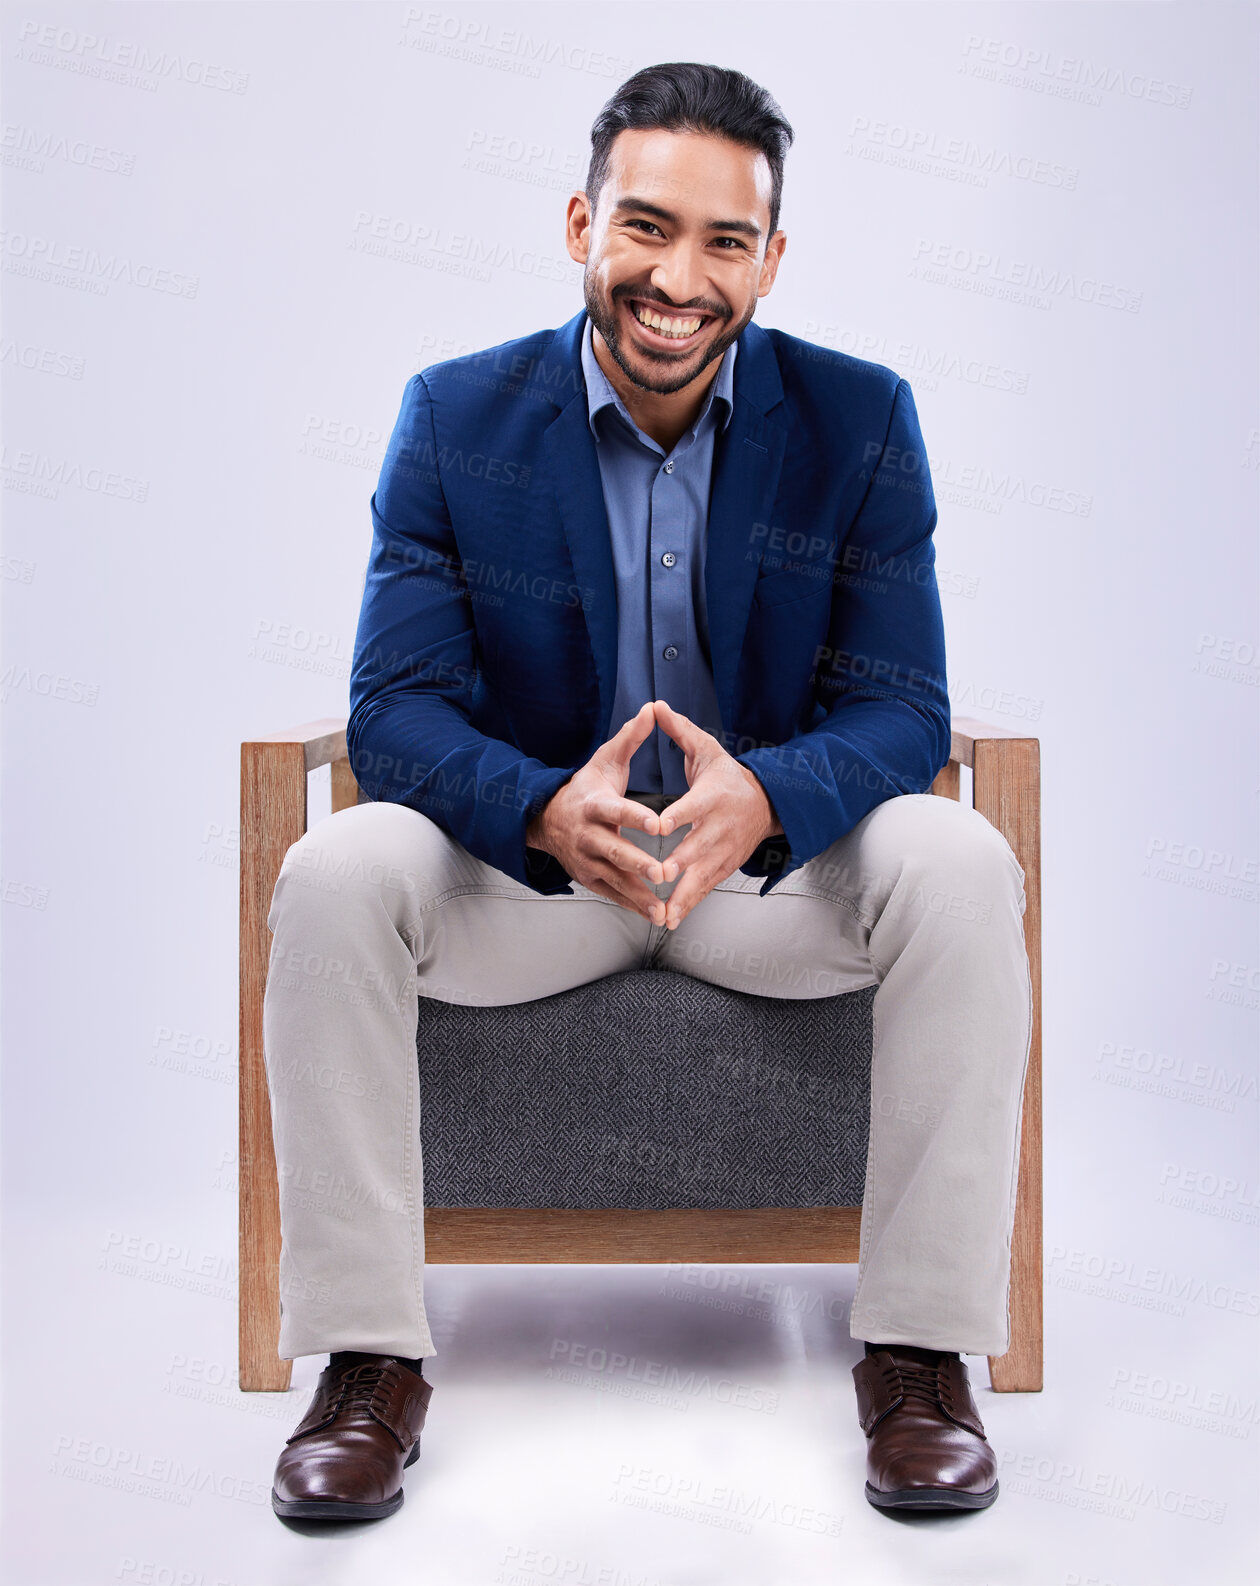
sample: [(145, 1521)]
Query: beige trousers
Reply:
[(376, 906)]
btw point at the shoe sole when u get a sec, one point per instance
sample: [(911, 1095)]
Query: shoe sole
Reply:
[(931, 1498), (338, 1508)]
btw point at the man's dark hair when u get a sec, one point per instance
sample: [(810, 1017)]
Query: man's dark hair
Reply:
[(684, 96)]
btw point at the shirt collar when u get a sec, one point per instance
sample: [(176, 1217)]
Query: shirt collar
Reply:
[(600, 394)]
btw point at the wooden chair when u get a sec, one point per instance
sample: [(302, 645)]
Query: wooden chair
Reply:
[(1005, 789)]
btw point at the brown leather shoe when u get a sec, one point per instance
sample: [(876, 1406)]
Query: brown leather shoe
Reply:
[(346, 1458), (926, 1447)]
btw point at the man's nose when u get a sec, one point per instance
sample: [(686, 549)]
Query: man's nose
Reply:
[(679, 276)]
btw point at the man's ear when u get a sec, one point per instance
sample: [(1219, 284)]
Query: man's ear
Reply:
[(578, 219), (770, 264)]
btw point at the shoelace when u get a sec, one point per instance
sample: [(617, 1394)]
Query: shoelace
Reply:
[(360, 1386), (919, 1380)]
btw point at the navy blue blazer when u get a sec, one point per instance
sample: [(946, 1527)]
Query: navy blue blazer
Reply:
[(486, 651)]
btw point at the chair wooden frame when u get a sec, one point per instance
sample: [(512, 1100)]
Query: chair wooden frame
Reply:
[(1006, 786)]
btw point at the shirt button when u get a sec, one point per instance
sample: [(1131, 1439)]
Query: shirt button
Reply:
[(669, 468), (668, 559), (670, 652)]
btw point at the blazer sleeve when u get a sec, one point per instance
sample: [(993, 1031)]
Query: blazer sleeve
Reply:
[(879, 678), (414, 673)]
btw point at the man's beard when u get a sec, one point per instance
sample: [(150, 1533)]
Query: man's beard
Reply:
[(664, 384)]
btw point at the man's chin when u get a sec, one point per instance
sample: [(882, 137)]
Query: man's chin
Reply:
[(661, 373), (658, 381)]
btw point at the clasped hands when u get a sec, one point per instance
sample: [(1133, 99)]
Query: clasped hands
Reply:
[(725, 804)]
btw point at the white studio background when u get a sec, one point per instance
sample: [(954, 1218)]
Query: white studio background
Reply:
[(230, 234)]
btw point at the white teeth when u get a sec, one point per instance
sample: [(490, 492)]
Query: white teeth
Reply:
[(680, 329)]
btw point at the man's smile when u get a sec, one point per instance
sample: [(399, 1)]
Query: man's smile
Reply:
[(660, 328)]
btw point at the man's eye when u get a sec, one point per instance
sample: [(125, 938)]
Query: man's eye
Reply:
[(642, 223)]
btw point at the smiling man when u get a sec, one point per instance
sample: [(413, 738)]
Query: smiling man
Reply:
[(650, 659)]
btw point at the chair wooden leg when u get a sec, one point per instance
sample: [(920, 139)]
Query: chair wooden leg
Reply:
[(1007, 774), (1019, 1370), (273, 817)]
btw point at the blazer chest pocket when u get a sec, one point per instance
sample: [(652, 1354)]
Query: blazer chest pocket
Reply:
[(781, 589)]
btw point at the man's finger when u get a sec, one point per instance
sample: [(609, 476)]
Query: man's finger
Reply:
[(689, 807), (696, 848), (639, 900), (619, 854), (694, 886), (613, 810)]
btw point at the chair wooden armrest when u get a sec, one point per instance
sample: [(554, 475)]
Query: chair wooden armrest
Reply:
[(1005, 770)]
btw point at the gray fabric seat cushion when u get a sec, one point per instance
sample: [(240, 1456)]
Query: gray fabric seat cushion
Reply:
[(647, 1089)]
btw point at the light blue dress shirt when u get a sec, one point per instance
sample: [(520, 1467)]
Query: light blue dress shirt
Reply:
[(658, 512)]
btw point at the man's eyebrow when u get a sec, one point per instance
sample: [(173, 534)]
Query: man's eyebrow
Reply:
[(645, 207)]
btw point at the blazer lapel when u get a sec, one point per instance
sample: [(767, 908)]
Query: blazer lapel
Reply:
[(569, 448), (747, 462)]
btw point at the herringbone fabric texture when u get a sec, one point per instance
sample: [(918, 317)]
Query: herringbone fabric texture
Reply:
[(647, 1089)]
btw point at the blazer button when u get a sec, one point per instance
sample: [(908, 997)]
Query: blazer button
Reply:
[(670, 652)]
